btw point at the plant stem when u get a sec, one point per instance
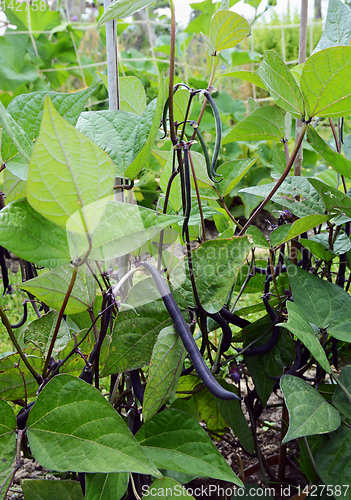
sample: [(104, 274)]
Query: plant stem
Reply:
[(280, 181), (221, 199), (171, 74), (60, 315), (13, 338), (337, 145)]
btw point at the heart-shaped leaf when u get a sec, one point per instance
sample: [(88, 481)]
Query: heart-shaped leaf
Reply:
[(227, 30), (119, 9)]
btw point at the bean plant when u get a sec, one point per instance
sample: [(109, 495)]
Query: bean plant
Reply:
[(107, 386)]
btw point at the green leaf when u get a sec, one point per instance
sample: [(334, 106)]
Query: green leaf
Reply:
[(29, 235), (334, 200), (258, 238), (271, 364), (167, 487), (227, 30), (60, 178), (309, 413), (301, 328), (135, 332), (39, 332), (174, 440), (333, 461), (42, 489), (88, 435), (281, 84), (325, 83), (298, 227), (27, 111), (13, 187), (327, 304), (106, 486), (112, 131), (216, 265), (287, 193), (147, 130), (249, 76), (119, 229), (28, 18), (233, 414), (340, 400), (16, 133), (319, 244), (132, 94), (8, 427), (119, 9), (336, 160), (11, 378), (337, 26), (164, 372), (15, 68), (51, 288), (180, 104), (206, 405), (262, 124), (232, 172)]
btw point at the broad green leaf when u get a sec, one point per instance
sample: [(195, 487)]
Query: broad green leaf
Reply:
[(112, 131), (8, 427), (298, 227), (19, 137), (117, 229), (18, 167), (319, 245), (309, 413), (258, 238), (6, 479), (216, 265), (121, 9), (39, 333), (11, 378), (232, 172), (135, 332), (174, 440), (333, 199), (252, 104), (61, 179), (42, 489), (271, 364), (106, 486), (301, 328), (51, 288), (29, 235), (327, 304), (187, 406), (336, 160), (249, 76), (13, 187), (206, 405), (131, 93), (233, 414), (227, 30), (287, 193), (164, 371), (166, 488), (281, 84), (27, 110), (333, 462), (262, 124), (29, 18), (88, 435), (279, 234), (325, 83), (147, 130), (15, 68), (337, 26), (339, 398)]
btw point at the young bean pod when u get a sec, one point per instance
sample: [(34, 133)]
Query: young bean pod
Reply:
[(263, 349), (218, 124), (226, 331), (233, 319), (187, 190), (204, 150), (137, 385), (188, 340)]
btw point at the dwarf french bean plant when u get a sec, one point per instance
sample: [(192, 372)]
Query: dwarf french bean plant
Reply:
[(107, 386)]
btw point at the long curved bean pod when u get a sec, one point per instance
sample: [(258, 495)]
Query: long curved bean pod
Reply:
[(205, 151), (137, 385), (188, 340), (187, 190), (233, 319), (24, 317), (226, 331), (263, 349), (218, 124)]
